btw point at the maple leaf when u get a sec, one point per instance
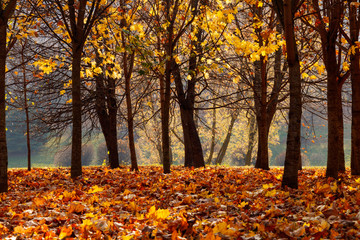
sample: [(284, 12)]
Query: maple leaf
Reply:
[(65, 232), (76, 208), (96, 189)]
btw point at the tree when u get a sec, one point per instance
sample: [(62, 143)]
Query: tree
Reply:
[(329, 21), (128, 58), (75, 20), (193, 150), (7, 9), (286, 11), (354, 22), (258, 64), (252, 140)]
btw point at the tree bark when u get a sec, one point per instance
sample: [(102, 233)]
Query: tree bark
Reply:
[(262, 118), (213, 133), (285, 11), (355, 86), (165, 116), (130, 117), (6, 11), (26, 107), (128, 63), (106, 110), (251, 141), (193, 150), (76, 165), (3, 145)]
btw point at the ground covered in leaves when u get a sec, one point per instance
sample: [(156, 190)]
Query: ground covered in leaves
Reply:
[(210, 203)]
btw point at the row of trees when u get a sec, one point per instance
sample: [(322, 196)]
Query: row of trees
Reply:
[(82, 59)]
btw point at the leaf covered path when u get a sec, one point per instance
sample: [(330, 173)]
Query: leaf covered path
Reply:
[(211, 203)]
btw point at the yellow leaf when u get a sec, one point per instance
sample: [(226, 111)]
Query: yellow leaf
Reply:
[(97, 70), (266, 186), (127, 192), (19, 229), (152, 210), (271, 193), (243, 204), (162, 213), (69, 101), (96, 189), (62, 92), (87, 222), (132, 206), (65, 232), (128, 237)]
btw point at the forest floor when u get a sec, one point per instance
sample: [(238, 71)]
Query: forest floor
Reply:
[(210, 203)]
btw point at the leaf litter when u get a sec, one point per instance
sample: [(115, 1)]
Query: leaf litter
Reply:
[(208, 203)]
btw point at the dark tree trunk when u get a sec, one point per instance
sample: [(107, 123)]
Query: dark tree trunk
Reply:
[(106, 109), (251, 141), (334, 10), (128, 63), (3, 146), (130, 117), (76, 167), (6, 11), (355, 86), (213, 133), (165, 116), (26, 107), (285, 11), (335, 139), (262, 118), (340, 115), (220, 158), (355, 123), (193, 150)]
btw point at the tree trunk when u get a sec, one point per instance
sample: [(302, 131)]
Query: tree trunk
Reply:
[(263, 145), (335, 132), (26, 107), (213, 132), (3, 146), (165, 94), (76, 167), (251, 141), (341, 133), (355, 86), (107, 114), (128, 63), (355, 110), (6, 11), (290, 177), (193, 150), (335, 148), (262, 118), (130, 118), (329, 33), (219, 159)]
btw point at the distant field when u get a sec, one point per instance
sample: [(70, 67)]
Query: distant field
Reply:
[(36, 161)]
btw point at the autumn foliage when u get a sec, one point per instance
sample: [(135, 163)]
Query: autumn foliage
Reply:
[(207, 203)]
